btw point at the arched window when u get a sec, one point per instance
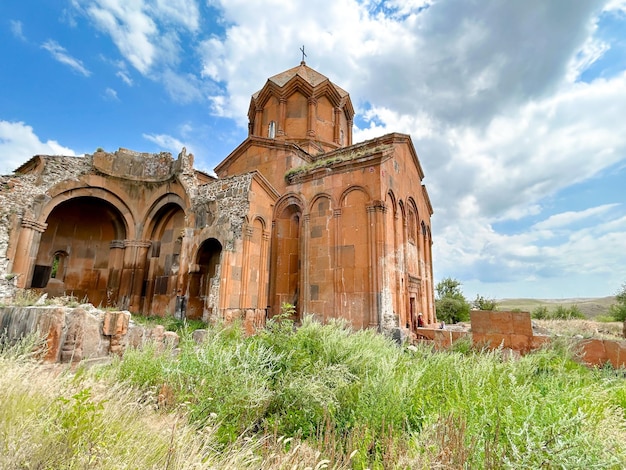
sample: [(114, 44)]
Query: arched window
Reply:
[(271, 130)]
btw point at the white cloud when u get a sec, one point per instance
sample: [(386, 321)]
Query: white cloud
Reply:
[(16, 29), (18, 143), (168, 143), (60, 54), (570, 217), (145, 33), (110, 94), (123, 75)]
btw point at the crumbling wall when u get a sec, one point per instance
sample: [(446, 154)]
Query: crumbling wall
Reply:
[(83, 333), (224, 203), (136, 166), (20, 194)]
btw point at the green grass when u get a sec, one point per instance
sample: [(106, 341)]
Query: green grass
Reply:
[(319, 395)]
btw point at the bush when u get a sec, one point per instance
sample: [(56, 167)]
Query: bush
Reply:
[(482, 303), (540, 313), (559, 313), (450, 304), (451, 310), (618, 310)]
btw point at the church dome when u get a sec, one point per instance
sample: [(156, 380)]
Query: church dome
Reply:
[(303, 106)]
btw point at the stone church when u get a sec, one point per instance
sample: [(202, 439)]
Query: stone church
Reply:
[(298, 214)]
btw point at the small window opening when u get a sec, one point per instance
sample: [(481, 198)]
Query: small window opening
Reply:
[(341, 137), (271, 130), (58, 265)]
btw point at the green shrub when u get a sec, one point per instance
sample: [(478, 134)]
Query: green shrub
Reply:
[(540, 313)]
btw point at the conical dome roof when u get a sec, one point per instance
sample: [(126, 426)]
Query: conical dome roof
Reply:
[(306, 73)]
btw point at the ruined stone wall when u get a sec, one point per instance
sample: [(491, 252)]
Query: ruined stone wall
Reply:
[(19, 194), (83, 333), (224, 203)]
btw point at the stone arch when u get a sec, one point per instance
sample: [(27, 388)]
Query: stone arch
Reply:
[(347, 191), (127, 218), (286, 254), (85, 229), (254, 274), (412, 221), (317, 197), (151, 217), (204, 281), (260, 222), (319, 257), (392, 279), (164, 229), (354, 257)]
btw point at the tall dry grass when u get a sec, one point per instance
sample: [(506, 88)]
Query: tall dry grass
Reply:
[(317, 396)]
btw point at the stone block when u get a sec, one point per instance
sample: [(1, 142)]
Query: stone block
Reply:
[(593, 352), (199, 335), (521, 343), (115, 323), (501, 322), (616, 352), (521, 323), (171, 339), (481, 321), (51, 325)]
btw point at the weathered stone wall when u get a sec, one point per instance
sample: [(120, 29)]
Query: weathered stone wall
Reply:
[(83, 333), (137, 166), (512, 330), (224, 203), (20, 193)]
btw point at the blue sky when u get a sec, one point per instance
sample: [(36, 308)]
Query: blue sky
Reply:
[(517, 109)]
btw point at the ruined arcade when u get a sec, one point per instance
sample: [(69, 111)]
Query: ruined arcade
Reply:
[(298, 213)]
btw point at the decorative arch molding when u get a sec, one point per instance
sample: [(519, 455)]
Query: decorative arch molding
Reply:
[(289, 199), (151, 218), (350, 189), (126, 214), (394, 202), (413, 205), (402, 209), (319, 196), (261, 221)]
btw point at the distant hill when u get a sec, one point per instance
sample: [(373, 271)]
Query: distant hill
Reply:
[(591, 307)]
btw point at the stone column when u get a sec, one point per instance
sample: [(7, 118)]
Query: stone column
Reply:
[(311, 121), (116, 264), (26, 250), (337, 268), (375, 215), (305, 285), (336, 133), (282, 111), (263, 272), (258, 122), (245, 268), (133, 273), (349, 136)]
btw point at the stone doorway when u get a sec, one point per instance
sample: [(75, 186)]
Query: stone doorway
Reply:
[(204, 283)]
